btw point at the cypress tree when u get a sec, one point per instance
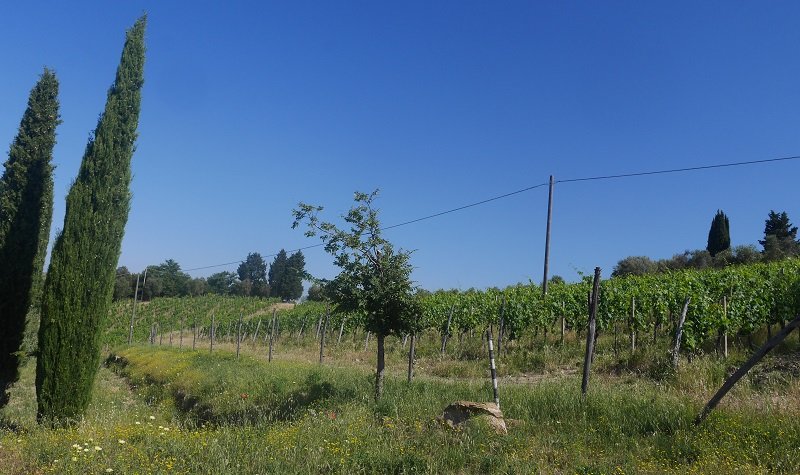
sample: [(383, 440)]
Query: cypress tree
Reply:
[(26, 209), (719, 236), (80, 281)]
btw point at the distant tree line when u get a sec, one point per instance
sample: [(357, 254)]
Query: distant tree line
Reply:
[(284, 279), (780, 241)]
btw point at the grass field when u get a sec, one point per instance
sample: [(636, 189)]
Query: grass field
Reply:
[(169, 410)]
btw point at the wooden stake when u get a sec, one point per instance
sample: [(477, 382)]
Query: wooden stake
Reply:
[(587, 360), (447, 330), (322, 338), (271, 335), (411, 351), (735, 377), (492, 367), (341, 330), (725, 333), (238, 335), (213, 333), (679, 333), (633, 325)]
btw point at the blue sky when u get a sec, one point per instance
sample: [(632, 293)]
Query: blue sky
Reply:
[(250, 107)]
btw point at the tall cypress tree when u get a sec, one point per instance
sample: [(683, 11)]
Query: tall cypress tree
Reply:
[(719, 235), (26, 209), (80, 280)]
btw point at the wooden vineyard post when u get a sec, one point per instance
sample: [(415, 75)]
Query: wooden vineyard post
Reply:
[(492, 367), (322, 337), (366, 342), (633, 324), (447, 329), (319, 326), (725, 332), (238, 335), (271, 336), (502, 325), (160, 334), (194, 334), (255, 335), (213, 333), (171, 331), (735, 377), (411, 350), (678, 333), (341, 330), (180, 338), (587, 360), (302, 327), (133, 314)]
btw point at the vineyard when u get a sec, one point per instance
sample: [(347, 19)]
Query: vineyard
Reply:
[(736, 301)]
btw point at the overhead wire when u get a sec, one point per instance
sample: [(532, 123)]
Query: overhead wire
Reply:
[(529, 188)]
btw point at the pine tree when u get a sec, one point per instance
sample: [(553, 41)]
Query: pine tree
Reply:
[(719, 236), (80, 281), (26, 209)]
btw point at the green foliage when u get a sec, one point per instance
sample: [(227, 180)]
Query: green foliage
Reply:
[(80, 281), (26, 208), (123, 287), (253, 276), (316, 293), (374, 281), (221, 283), (780, 237), (286, 275), (634, 265), (719, 235), (171, 314), (169, 278)]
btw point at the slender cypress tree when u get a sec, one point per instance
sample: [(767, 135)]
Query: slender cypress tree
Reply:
[(26, 209), (80, 281), (719, 235)]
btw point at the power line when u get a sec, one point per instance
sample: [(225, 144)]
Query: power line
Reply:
[(477, 203), (677, 170), (453, 210), (512, 193)]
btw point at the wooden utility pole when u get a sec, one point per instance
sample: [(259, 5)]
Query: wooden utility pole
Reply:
[(547, 236)]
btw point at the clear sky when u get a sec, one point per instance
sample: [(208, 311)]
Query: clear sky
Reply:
[(250, 107)]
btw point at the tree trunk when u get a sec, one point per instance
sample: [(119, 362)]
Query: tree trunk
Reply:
[(381, 366)]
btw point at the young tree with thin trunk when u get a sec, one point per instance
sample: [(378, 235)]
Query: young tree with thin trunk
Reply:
[(80, 281), (26, 209), (375, 280)]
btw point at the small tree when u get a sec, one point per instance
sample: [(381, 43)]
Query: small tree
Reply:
[(26, 208), (80, 280), (719, 235), (375, 280)]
